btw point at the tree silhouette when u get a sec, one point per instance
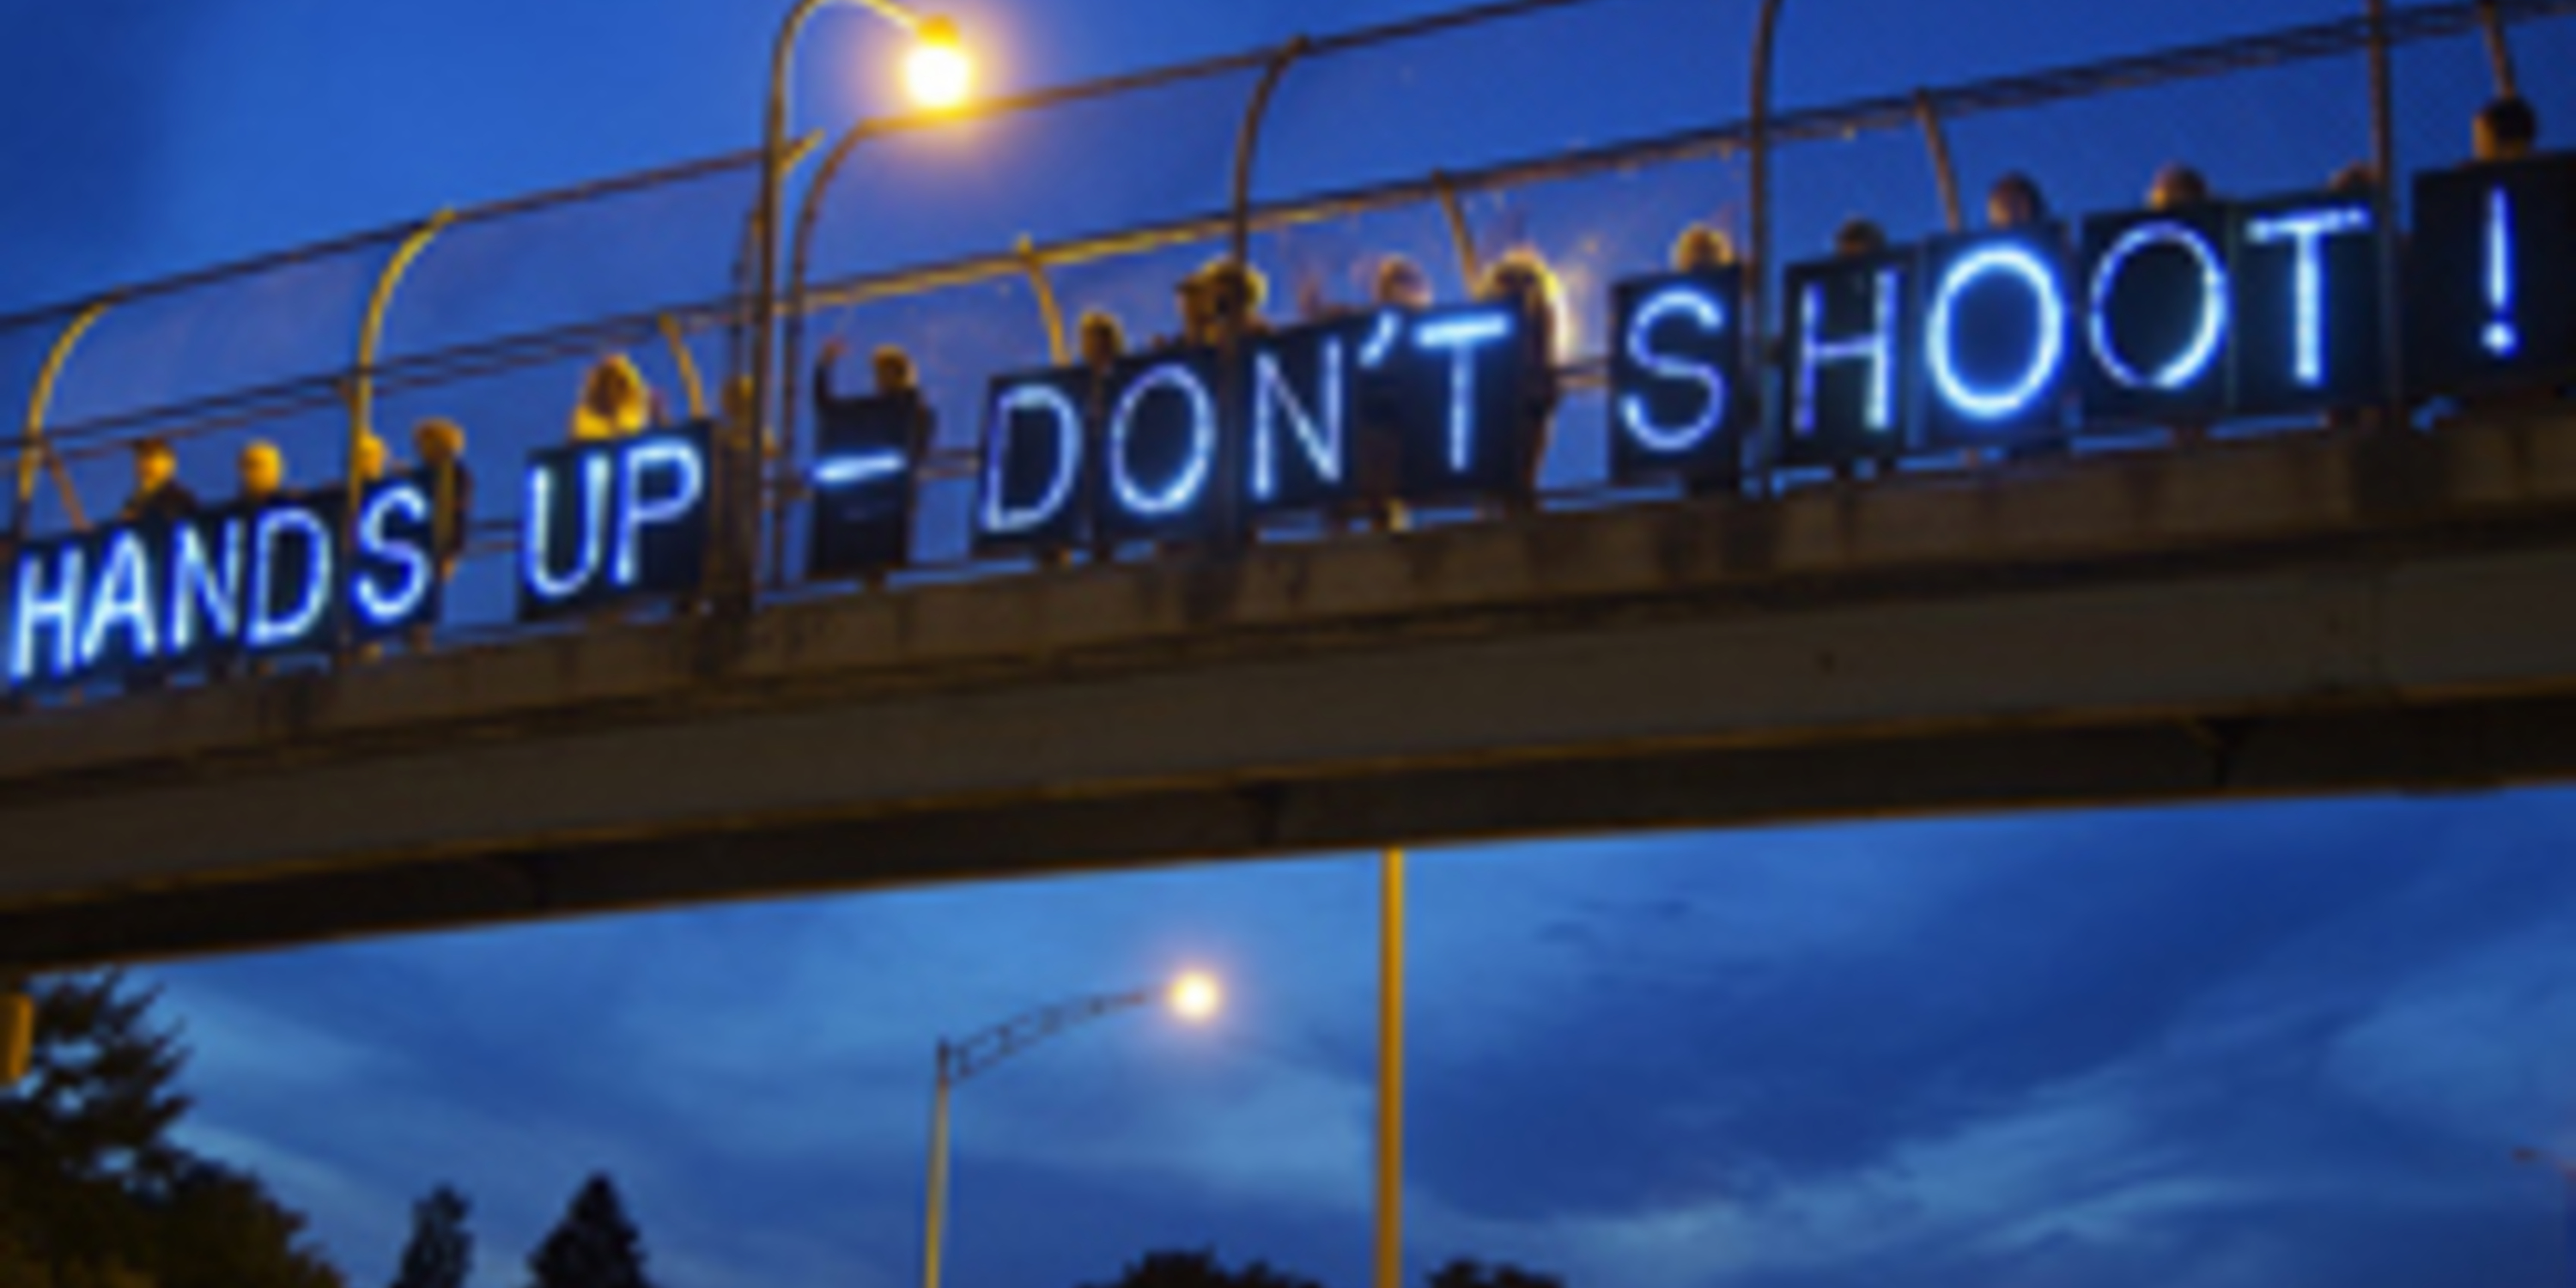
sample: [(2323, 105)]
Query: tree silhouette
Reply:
[(93, 1192), (1463, 1273), (1201, 1269), (594, 1246), (441, 1253)]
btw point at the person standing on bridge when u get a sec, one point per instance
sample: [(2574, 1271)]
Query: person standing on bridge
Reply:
[(260, 471), (1702, 248), (1101, 343), (2505, 130), (1860, 237), (1522, 279), (158, 496), (2178, 187), (1396, 285), (897, 382), (2015, 204), (615, 402), (159, 499), (440, 446)]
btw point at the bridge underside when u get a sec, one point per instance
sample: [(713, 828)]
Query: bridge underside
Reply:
[(2281, 617)]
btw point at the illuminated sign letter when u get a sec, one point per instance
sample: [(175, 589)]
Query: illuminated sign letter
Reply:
[(1005, 514), (1189, 481), (590, 520), (123, 601), (2491, 263), (2306, 233), (2502, 338), (205, 593), (1700, 312), (639, 508), (2208, 332), (1322, 439), (383, 601), (285, 612), (1460, 338), (39, 611), (2025, 384), (1875, 346), (863, 483)]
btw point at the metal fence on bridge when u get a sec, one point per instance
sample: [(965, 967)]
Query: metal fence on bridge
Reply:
[(971, 241)]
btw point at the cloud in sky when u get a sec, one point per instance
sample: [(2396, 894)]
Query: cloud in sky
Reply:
[(2212, 1047)]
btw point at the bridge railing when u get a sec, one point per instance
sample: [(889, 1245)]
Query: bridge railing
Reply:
[(489, 315)]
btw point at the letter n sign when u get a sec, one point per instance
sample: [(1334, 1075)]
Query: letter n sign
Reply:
[(1675, 395)]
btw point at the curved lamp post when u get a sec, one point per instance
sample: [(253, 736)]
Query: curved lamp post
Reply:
[(1194, 997), (939, 74)]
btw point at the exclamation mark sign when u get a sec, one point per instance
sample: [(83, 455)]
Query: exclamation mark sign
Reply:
[(2503, 339)]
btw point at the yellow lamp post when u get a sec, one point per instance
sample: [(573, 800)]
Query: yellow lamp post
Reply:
[(1194, 997), (939, 74)]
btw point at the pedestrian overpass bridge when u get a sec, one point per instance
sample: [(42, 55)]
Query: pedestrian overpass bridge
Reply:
[(2303, 614)]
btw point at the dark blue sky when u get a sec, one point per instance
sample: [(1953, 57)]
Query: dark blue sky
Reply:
[(2194, 1049)]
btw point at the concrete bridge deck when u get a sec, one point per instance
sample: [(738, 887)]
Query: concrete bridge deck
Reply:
[(2287, 615)]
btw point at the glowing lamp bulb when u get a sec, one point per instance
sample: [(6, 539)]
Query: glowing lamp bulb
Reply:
[(939, 73), (1197, 997)]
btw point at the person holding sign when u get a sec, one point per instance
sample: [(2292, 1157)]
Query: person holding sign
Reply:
[(873, 445), (1102, 344), (615, 402), (1702, 249), (2505, 130), (440, 446), (2179, 187), (1524, 280), (158, 496), (1377, 445), (159, 499)]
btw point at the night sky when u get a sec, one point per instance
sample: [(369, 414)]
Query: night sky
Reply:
[(2291, 1044)]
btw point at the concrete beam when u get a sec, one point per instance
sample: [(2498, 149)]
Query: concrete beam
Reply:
[(2362, 615)]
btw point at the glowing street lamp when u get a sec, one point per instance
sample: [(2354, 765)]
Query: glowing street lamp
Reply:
[(939, 74), (1194, 997)]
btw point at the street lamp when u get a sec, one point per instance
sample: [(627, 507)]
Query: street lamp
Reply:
[(1193, 996), (939, 74)]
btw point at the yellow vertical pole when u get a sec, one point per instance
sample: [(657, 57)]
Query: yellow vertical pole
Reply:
[(935, 1207), (17, 1033), (1390, 1072)]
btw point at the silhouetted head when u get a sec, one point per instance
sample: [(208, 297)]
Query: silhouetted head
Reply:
[(2506, 130), (438, 441), (1230, 294), (614, 391), (1101, 339), (2177, 186), (263, 470), (1400, 284), (1702, 249), (155, 464), (894, 371), (2360, 176), (2016, 202), (1859, 237), (372, 458), (1521, 276)]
